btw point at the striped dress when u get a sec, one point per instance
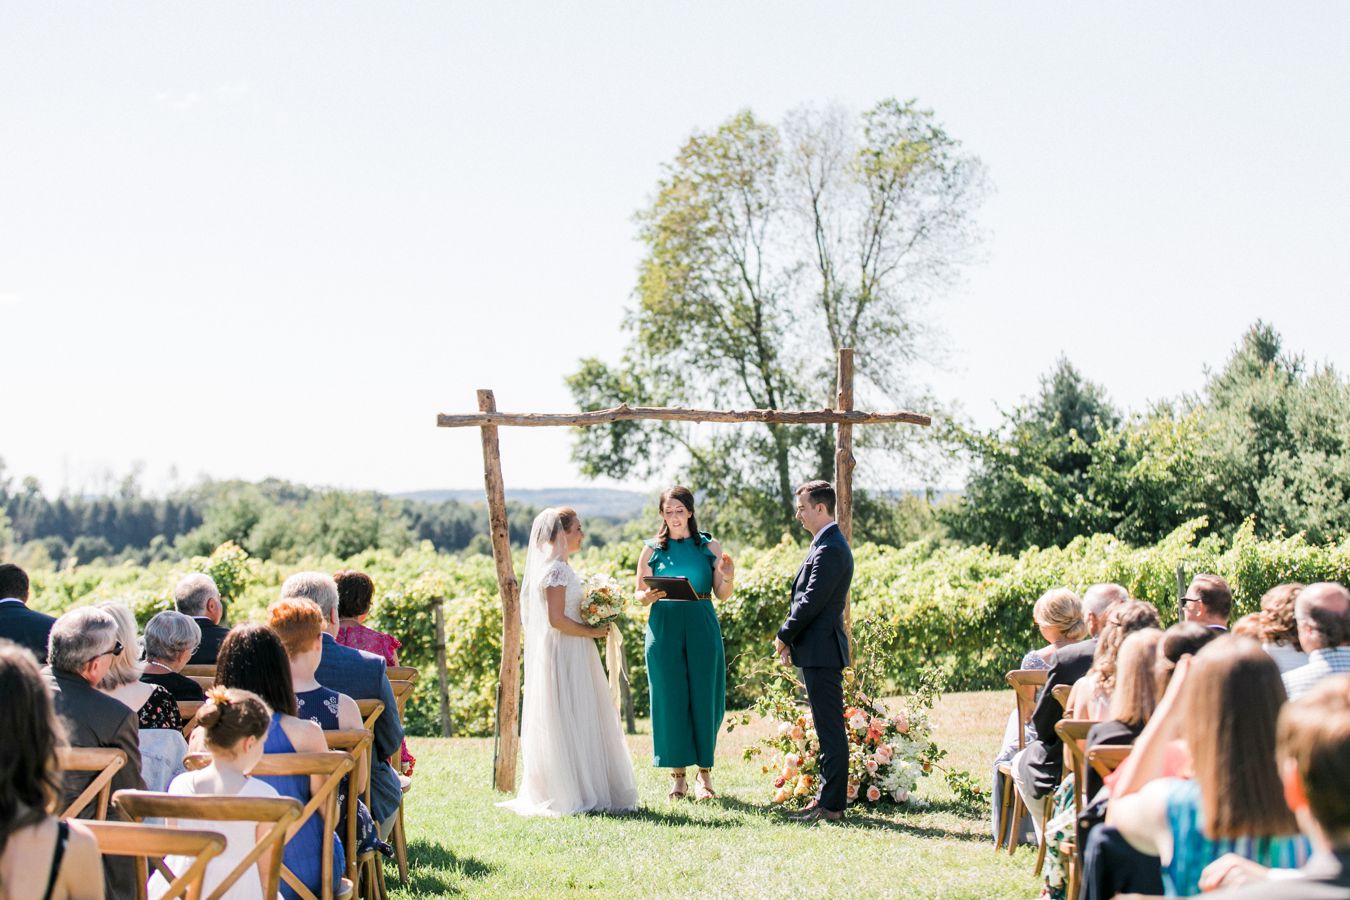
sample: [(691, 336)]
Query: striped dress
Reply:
[(1192, 850)]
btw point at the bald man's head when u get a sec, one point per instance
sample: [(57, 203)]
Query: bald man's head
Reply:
[(1322, 611), (1097, 601)]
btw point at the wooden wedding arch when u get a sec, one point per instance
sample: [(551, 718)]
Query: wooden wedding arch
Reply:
[(488, 419)]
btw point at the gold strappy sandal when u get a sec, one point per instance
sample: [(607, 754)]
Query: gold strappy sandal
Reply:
[(702, 792), (676, 794)]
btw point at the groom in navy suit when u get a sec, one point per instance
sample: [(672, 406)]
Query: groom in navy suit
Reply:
[(813, 639)]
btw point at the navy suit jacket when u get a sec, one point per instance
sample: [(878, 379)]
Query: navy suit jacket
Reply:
[(814, 630), (361, 676), (213, 636), (26, 627)]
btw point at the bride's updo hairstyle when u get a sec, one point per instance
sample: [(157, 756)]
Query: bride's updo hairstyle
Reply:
[(229, 715), (547, 533), (680, 494)]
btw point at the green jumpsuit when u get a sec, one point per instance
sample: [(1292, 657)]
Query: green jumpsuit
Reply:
[(686, 663)]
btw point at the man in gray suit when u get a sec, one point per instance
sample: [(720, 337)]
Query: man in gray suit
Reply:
[(80, 650)]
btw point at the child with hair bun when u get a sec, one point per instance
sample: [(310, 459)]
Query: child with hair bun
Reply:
[(233, 729)]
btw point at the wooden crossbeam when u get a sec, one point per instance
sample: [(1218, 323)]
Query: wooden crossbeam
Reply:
[(625, 413), (489, 420)]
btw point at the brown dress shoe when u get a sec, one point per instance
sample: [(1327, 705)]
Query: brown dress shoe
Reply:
[(821, 814)]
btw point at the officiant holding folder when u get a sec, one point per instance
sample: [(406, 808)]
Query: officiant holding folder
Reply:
[(686, 663)]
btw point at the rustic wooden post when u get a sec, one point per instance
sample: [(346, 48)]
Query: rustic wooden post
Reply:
[(508, 687), (844, 462), (442, 675)]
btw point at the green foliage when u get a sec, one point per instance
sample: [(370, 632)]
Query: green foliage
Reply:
[(767, 249), (1266, 440)]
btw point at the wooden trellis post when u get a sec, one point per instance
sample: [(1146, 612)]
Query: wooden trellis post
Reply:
[(844, 416)]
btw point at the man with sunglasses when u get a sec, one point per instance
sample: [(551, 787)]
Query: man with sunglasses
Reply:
[(80, 651), (1208, 602)]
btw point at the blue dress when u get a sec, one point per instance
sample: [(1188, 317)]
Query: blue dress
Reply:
[(304, 851), (321, 707)]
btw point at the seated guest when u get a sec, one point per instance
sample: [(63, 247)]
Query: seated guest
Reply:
[(39, 855), (355, 592), (170, 640), (359, 675), (1280, 629), (154, 705), (197, 596), (80, 651), (1133, 699), (1208, 602), (234, 727), (1223, 703), (1036, 770), (1058, 614), (1323, 614), (300, 626), (1091, 695), (1182, 639), (252, 658), (1314, 750), (25, 627)]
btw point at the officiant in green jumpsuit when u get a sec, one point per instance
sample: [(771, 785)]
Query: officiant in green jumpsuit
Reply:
[(686, 663)]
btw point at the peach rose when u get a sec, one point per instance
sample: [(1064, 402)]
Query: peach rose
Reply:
[(872, 766), (873, 794), (901, 796), (797, 733), (884, 752), (878, 725), (781, 796), (901, 723), (853, 790)]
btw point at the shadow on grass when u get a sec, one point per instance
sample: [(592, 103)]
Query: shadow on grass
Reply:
[(430, 862), (670, 816)]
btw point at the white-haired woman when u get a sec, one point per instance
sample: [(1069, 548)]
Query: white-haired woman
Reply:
[(575, 756), (154, 705), (170, 640)]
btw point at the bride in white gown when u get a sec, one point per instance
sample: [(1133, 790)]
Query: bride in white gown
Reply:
[(575, 756)]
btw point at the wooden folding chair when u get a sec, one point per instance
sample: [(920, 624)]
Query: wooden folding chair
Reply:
[(105, 762), (188, 711), (331, 766), (207, 670), (205, 682), (370, 711), (362, 869), (1061, 694), (279, 811), (1073, 732), (1025, 683), (142, 841), (1106, 758), (402, 673), (402, 691)]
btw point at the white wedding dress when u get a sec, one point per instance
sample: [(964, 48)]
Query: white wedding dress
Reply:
[(575, 756)]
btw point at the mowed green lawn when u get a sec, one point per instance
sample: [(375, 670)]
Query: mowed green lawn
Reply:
[(739, 845)]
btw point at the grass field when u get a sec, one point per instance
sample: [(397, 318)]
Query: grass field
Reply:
[(736, 846)]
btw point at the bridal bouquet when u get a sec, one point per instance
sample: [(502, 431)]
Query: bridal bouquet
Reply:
[(603, 601)]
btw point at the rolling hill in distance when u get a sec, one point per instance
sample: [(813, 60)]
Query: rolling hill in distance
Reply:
[(608, 503)]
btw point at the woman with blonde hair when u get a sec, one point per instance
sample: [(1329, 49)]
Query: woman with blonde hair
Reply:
[(154, 705), (1223, 703), (1091, 694)]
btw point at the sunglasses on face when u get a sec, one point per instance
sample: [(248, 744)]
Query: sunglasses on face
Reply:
[(115, 651)]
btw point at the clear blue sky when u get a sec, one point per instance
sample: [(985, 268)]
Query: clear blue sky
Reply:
[(257, 239)]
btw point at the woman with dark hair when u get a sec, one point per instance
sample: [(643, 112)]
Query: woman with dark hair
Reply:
[(252, 658), (1223, 703), (686, 662), (40, 856), (355, 593)]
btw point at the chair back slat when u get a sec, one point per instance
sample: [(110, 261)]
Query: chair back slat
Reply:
[(188, 711), (1074, 732), (205, 682), (1025, 683), (370, 711), (1061, 694), (1106, 758), (105, 762), (142, 841), (279, 811), (357, 745), (402, 673), (199, 670), (402, 691)]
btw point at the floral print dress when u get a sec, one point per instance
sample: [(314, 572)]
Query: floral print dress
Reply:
[(359, 637)]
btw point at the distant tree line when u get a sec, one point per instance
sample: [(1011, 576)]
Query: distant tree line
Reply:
[(272, 519)]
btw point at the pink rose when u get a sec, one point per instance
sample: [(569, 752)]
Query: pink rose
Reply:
[(880, 760), (873, 794), (871, 766), (792, 760), (878, 725), (901, 796), (853, 790), (901, 724), (884, 753)]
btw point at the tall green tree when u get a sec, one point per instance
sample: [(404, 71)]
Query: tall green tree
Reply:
[(767, 249)]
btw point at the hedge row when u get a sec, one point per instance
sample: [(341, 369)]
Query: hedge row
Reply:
[(965, 610)]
